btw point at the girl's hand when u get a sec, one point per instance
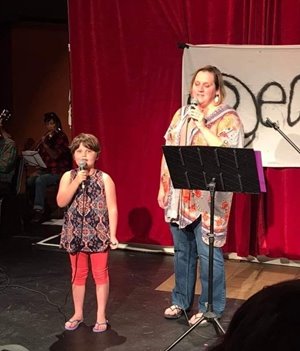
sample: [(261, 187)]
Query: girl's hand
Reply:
[(81, 176), (113, 244)]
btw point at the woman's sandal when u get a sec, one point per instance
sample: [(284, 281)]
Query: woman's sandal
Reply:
[(173, 312), (103, 327), (196, 317), (72, 321)]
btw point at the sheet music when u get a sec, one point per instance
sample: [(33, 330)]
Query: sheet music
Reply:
[(33, 158)]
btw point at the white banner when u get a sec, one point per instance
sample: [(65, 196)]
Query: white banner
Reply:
[(261, 82)]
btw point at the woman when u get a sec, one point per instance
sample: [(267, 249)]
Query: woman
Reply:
[(209, 123)]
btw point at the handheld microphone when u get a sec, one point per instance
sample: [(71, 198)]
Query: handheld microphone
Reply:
[(193, 104), (82, 165)]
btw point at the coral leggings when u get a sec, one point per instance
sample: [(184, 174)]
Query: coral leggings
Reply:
[(80, 267)]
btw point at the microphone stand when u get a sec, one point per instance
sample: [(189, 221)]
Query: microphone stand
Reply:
[(276, 127)]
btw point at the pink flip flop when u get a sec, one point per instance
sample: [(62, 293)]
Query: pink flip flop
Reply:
[(76, 325), (96, 330)]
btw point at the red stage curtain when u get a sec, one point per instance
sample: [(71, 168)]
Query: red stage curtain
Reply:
[(126, 85)]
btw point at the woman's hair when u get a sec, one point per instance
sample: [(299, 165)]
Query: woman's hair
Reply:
[(87, 140), (218, 79), (268, 320), (48, 116)]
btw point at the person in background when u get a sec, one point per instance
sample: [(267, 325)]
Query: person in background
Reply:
[(8, 162), (89, 228), (268, 320), (54, 151), (8, 155), (208, 122)]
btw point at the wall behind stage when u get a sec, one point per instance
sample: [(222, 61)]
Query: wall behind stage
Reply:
[(126, 85), (36, 77)]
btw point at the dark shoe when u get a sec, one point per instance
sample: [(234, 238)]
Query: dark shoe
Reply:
[(38, 216), (173, 312)]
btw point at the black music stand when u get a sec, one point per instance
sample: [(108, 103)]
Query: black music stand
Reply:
[(214, 169), (33, 158)]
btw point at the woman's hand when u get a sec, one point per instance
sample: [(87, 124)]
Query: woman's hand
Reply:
[(162, 198), (198, 117)]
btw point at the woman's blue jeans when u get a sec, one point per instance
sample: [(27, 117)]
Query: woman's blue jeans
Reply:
[(188, 246)]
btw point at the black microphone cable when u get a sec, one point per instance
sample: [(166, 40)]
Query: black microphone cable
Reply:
[(82, 165), (6, 283)]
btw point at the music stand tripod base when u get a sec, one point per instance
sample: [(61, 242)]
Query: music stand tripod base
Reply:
[(210, 317)]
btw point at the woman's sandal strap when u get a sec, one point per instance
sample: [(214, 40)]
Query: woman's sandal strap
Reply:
[(174, 308)]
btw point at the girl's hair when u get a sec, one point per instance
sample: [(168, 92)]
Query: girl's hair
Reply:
[(48, 116), (88, 140), (218, 79)]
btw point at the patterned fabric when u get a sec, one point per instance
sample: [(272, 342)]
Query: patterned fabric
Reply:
[(8, 154), (59, 143), (86, 222), (185, 206)]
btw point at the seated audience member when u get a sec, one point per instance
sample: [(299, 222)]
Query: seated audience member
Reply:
[(268, 320), (53, 148), (8, 154)]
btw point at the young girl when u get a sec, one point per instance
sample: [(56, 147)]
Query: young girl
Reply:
[(89, 228)]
